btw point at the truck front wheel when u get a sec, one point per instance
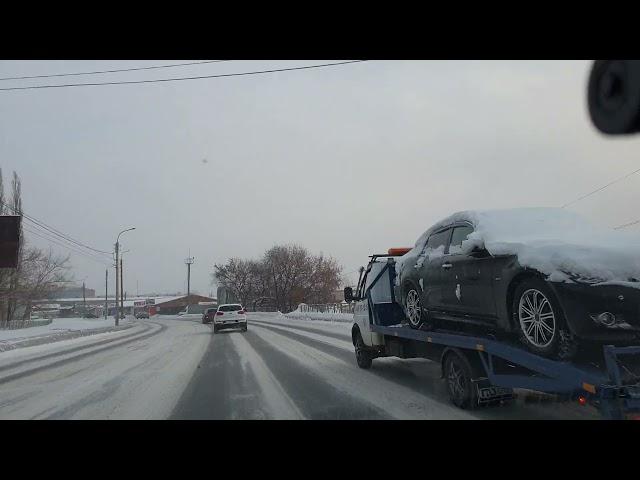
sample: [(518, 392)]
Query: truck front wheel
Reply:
[(363, 357)]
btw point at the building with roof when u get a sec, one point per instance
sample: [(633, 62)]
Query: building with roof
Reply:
[(172, 306), (157, 305)]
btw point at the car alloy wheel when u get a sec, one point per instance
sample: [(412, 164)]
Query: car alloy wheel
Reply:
[(537, 318), (414, 309)]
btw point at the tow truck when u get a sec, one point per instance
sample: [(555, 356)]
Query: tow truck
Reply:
[(480, 368)]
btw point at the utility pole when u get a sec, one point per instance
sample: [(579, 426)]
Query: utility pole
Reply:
[(189, 262), (117, 284), (106, 288), (121, 289), (84, 298), (118, 313)]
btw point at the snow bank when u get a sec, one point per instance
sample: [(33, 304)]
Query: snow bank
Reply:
[(326, 316), (556, 242), (55, 328)]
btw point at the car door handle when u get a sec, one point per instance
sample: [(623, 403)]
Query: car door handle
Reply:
[(446, 266)]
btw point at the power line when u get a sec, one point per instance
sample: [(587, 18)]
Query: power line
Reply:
[(625, 225), (601, 188), (258, 72), (64, 236), (51, 240), (56, 232), (113, 71), (55, 242)]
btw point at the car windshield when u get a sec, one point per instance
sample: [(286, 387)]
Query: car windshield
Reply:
[(385, 239)]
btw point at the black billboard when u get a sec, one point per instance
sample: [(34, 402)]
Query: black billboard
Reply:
[(9, 240)]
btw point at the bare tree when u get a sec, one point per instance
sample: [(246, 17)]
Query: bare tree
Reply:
[(286, 275), (38, 272), (238, 276), (41, 274)]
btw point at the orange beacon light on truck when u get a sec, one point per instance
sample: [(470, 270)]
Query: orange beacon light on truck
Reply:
[(398, 252)]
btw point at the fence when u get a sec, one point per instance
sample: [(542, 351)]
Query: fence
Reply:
[(327, 308), (16, 324)]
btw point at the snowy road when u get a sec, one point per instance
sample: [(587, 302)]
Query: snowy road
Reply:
[(172, 367)]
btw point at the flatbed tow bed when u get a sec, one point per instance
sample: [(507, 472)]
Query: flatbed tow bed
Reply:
[(480, 369)]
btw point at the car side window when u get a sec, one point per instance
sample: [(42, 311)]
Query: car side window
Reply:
[(459, 235), (439, 239)]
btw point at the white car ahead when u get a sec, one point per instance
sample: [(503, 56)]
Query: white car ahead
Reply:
[(230, 315)]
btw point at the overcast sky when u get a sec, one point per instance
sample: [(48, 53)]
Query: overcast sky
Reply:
[(345, 160)]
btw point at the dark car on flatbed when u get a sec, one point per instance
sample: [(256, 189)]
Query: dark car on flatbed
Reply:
[(540, 274)]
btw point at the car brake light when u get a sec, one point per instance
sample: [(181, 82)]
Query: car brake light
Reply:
[(240, 312), (219, 313)]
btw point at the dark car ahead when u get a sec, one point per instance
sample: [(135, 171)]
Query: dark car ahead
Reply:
[(208, 314), (541, 274)]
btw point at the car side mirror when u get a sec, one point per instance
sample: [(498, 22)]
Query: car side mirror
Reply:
[(348, 294)]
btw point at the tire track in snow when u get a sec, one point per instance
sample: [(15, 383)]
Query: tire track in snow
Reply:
[(423, 377), (315, 397), (64, 349), (338, 336), (341, 372), (280, 405), (220, 389), (116, 382), (104, 345)]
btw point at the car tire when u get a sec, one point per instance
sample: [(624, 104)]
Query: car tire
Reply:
[(413, 308), (539, 321), (458, 375), (363, 357), (215, 329), (244, 329)]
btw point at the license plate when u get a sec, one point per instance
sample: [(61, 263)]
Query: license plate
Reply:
[(488, 393)]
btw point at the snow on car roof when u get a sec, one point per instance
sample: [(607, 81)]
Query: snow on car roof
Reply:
[(554, 241)]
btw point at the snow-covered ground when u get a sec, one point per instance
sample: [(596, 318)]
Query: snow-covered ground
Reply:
[(59, 328), (327, 317), (281, 368), (138, 373), (294, 368)]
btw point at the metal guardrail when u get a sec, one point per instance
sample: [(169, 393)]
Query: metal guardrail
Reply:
[(327, 308), (18, 324)]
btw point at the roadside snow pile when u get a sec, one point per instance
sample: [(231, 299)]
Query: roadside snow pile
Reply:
[(555, 242), (59, 328), (326, 316)]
